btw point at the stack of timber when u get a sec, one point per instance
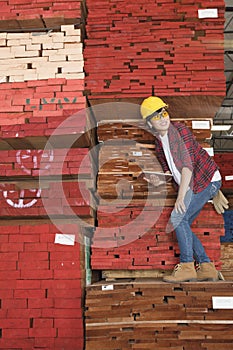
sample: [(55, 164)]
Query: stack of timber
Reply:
[(137, 237), (41, 286), (133, 231), (138, 131), (22, 16), (126, 161), (43, 116), (148, 314), (66, 199), (44, 218), (25, 55), (140, 47), (33, 163), (227, 260), (224, 161), (39, 102), (47, 185)]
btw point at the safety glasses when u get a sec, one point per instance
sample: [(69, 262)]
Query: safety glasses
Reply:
[(160, 115)]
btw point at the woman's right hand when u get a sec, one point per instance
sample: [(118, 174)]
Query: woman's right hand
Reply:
[(155, 180)]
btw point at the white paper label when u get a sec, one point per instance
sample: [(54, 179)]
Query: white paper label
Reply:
[(137, 154), (208, 13), (64, 239), (228, 177), (201, 124), (222, 302), (108, 287)]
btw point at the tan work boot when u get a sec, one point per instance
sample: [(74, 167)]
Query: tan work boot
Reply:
[(207, 272), (183, 272)]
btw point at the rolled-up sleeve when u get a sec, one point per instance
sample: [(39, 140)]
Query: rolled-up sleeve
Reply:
[(187, 148)]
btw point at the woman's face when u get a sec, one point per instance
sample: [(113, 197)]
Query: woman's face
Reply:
[(161, 122)]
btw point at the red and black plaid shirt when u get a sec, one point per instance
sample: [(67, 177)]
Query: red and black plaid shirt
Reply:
[(187, 152)]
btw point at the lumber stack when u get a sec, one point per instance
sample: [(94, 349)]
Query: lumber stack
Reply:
[(43, 221), (35, 100), (69, 199), (41, 286), (138, 48), (224, 161), (138, 131), (125, 161), (22, 59), (41, 110), (32, 163), (134, 237), (21, 14), (148, 314), (42, 183), (134, 231), (227, 259), (47, 185)]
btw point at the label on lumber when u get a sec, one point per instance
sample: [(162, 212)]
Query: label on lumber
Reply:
[(64, 239), (137, 154), (222, 302), (208, 13), (108, 287), (200, 124)]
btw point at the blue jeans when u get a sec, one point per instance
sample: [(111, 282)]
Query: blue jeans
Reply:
[(190, 246)]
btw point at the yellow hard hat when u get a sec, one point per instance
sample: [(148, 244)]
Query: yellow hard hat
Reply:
[(150, 105)]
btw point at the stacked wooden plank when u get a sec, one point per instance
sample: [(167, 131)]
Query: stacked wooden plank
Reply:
[(37, 107), (25, 55), (137, 130), (23, 14), (126, 161), (148, 314), (47, 182), (69, 199), (35, 100), (42, 272), (224, 161), (227, 260), (33, 163), (166, 47), (41, 286), (134, 232), (137, 237)]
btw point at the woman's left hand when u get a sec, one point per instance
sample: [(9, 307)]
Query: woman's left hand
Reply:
[(180, 206)]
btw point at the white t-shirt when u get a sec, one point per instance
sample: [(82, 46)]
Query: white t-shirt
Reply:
[(173, 169)]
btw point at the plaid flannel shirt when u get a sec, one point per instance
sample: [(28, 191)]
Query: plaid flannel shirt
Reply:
[(187, 152)]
